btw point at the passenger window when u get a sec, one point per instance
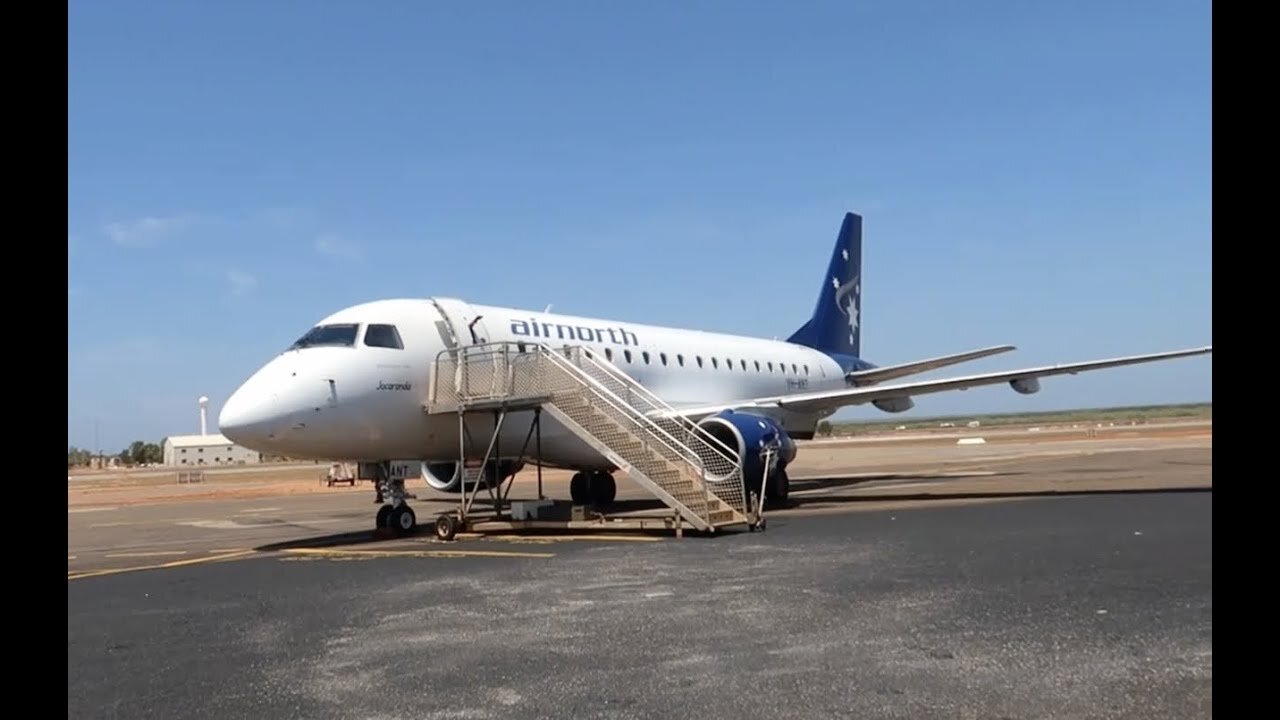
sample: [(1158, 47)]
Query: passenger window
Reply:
[(699, 361), (757, 366), (645, 355), (715, 363), (680, 360), (383, 336), (627, 354), (608, 353), (663, 357), (770, 364)]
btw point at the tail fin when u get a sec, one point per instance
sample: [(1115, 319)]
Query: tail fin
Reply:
[(836, 325)]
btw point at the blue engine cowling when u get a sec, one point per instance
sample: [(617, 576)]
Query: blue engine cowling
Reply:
[(749, 436)]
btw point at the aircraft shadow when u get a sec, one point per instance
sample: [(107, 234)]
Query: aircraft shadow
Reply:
[(425, 529), (810, 483), (936, 495), (651, 507)]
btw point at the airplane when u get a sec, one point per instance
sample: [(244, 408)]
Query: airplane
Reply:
[(352, 387)]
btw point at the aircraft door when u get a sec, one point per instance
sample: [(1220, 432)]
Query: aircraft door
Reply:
[(463, 325)]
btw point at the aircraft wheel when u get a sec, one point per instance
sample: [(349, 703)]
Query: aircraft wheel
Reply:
[(579, 489), (383, 517), (446, 527), (403, 520), (603, 489), (779, 488)]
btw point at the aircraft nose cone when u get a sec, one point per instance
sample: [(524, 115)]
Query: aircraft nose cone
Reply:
[(247, 418)]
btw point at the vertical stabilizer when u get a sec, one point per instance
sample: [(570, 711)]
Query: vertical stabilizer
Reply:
[(836, 325)]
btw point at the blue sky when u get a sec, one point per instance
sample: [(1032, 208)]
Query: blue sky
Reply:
[(1029, 172)]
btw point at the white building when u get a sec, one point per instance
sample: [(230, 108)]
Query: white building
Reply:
[(207, 450)]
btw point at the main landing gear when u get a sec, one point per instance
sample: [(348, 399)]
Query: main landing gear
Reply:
[(594, 487)]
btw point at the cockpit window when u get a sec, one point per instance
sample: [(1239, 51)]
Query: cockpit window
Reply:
[(343, 335), (385, 336)]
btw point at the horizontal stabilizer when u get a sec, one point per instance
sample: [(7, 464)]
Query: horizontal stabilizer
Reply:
[(872, 376)]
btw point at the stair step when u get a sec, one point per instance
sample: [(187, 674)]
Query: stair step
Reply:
[(721, 516)]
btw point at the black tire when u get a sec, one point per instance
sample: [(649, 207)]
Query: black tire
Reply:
[(446, 527), (403, 520), (602, 488), (779, 488), (383, 518), (579, 489)]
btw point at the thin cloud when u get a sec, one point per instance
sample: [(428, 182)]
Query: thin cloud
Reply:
[(145, 231), (336, 246), (242, 283), (122, 353), (285, 218)]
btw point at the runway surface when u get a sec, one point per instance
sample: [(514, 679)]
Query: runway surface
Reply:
[(927, 584)]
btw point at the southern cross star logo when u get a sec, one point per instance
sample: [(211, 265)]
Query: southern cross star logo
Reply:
[(846, 298)]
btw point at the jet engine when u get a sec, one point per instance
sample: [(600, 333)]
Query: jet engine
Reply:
[(1026, 386), (444, 476), (894, 405), (749, 435)]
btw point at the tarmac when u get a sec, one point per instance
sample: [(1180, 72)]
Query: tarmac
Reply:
[(1018, 578)]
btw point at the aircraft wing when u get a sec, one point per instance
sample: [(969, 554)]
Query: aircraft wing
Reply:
[(1025, 380), (891, 372)]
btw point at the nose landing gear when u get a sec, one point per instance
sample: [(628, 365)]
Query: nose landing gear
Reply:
[(395, 515)]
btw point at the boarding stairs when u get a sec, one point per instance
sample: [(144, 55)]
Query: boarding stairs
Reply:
[(669, 456)]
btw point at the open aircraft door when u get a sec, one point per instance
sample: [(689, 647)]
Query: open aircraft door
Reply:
[(462, 324)]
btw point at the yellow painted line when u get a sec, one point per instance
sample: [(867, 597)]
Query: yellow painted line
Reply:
[(415, 553), (157, 553), (562, 538), (175, 563), (70, 558), (229, 550)]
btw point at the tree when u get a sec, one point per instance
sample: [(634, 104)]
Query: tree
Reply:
[(824, 427), (140, 453), (77, 457)]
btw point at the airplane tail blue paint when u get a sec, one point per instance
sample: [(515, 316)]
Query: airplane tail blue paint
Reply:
[(836, 325)]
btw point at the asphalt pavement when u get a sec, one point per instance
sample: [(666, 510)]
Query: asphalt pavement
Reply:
[(1078, 606)]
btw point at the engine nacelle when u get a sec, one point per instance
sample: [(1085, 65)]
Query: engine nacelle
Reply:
[(894, 405), (1026, 386), (444, 476), (749, 436)]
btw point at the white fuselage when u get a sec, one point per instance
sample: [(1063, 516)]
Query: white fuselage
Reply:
[(356, 392)]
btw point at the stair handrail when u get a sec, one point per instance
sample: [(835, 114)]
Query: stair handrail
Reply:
[(689, 455)]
